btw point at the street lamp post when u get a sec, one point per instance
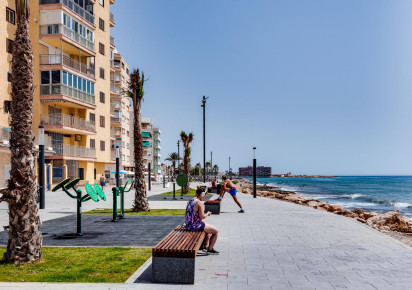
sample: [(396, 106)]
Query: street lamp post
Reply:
[(150, 177), (41, 168), (117, 166), (211, 164), (204, 136), (230, 170), (178, 156), (254, 172)]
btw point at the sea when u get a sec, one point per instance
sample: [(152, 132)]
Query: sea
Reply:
[(371, 193)]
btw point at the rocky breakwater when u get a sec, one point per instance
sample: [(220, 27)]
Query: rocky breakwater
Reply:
[(391, 222)]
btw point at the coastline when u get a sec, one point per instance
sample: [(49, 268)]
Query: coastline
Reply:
[(390, 223)]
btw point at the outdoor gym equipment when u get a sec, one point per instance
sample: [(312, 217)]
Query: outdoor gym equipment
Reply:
[(116, 192), (92, 193)]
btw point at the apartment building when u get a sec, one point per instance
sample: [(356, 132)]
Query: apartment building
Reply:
[(261, 171), (72, 66), (151, 146), (119, 113)]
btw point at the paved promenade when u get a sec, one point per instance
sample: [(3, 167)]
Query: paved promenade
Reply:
[(279, 245)]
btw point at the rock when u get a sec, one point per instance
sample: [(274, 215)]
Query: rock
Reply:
[(390, 221), (358, 211), (361, 220), (335, 208)]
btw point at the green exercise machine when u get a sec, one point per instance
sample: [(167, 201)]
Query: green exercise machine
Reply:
[(119, 191), (93, 193)]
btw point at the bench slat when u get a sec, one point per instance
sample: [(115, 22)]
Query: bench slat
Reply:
[(179, 243)]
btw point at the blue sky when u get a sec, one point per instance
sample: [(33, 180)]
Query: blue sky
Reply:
[(319, 87)]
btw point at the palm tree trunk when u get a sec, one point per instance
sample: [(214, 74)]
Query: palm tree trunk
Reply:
[(140, 200), (186, 169), (25, 238)]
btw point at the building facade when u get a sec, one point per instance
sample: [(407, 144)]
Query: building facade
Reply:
[(261, 171), (72, 66), (119, 112)]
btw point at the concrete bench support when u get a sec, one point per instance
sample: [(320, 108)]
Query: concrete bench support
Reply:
[(173, 270), (214, 208)]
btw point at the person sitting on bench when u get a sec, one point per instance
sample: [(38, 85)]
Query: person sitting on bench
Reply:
[(195, 213)]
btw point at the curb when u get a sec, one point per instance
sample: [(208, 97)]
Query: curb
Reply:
[(139, 271)]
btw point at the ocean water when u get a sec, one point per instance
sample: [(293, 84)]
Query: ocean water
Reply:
[(372, 193)]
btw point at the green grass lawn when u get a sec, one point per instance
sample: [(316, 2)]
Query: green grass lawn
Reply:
[(178, 192), (109, 265), (109, 211)]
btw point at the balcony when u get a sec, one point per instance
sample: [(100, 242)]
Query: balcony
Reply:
[(116, 120), (63, 123), (115, 133), (112, 23), (115, 90), (74, 151), (53, 29), (61, 92), (76, 8), (56, 59), (111, 40), (157, 146), (5, 135)]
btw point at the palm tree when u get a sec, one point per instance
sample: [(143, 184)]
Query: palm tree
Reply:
[(136, 92), (173, 157), (186, 139), (25, 238)]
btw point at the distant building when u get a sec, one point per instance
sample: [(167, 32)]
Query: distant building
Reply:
[(261, 171)]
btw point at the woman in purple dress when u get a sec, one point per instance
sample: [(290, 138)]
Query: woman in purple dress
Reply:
[(195, 213)]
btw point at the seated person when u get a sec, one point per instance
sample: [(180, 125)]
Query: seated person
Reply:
[(195, 213)]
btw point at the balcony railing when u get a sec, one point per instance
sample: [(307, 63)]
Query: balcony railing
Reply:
[(115, 133), (73, 35), (67, 91), (116, 119), (5, 135), (114, 89), (72, 6), (48, 59), (68, 121), (74, 151), (112, 40), (111, 17), (112, 63)]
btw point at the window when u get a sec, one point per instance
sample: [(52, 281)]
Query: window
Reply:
[(101, 48), (101, 24), (123, 144), (128, 134), (92, 143), (101, 2), (123, 65), (102, 121), (127, 71), (92, 117), (10, 16), (9, 45), (102, 73), (9, 76), (102, 146), (102, 97)]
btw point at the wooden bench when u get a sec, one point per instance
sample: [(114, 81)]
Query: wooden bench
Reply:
[(173, 258)]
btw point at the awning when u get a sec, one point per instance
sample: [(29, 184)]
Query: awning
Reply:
[(146, 134), (146, 143)]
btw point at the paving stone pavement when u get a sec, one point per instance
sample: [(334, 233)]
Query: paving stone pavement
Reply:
[(280, 245), (133, 231)]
